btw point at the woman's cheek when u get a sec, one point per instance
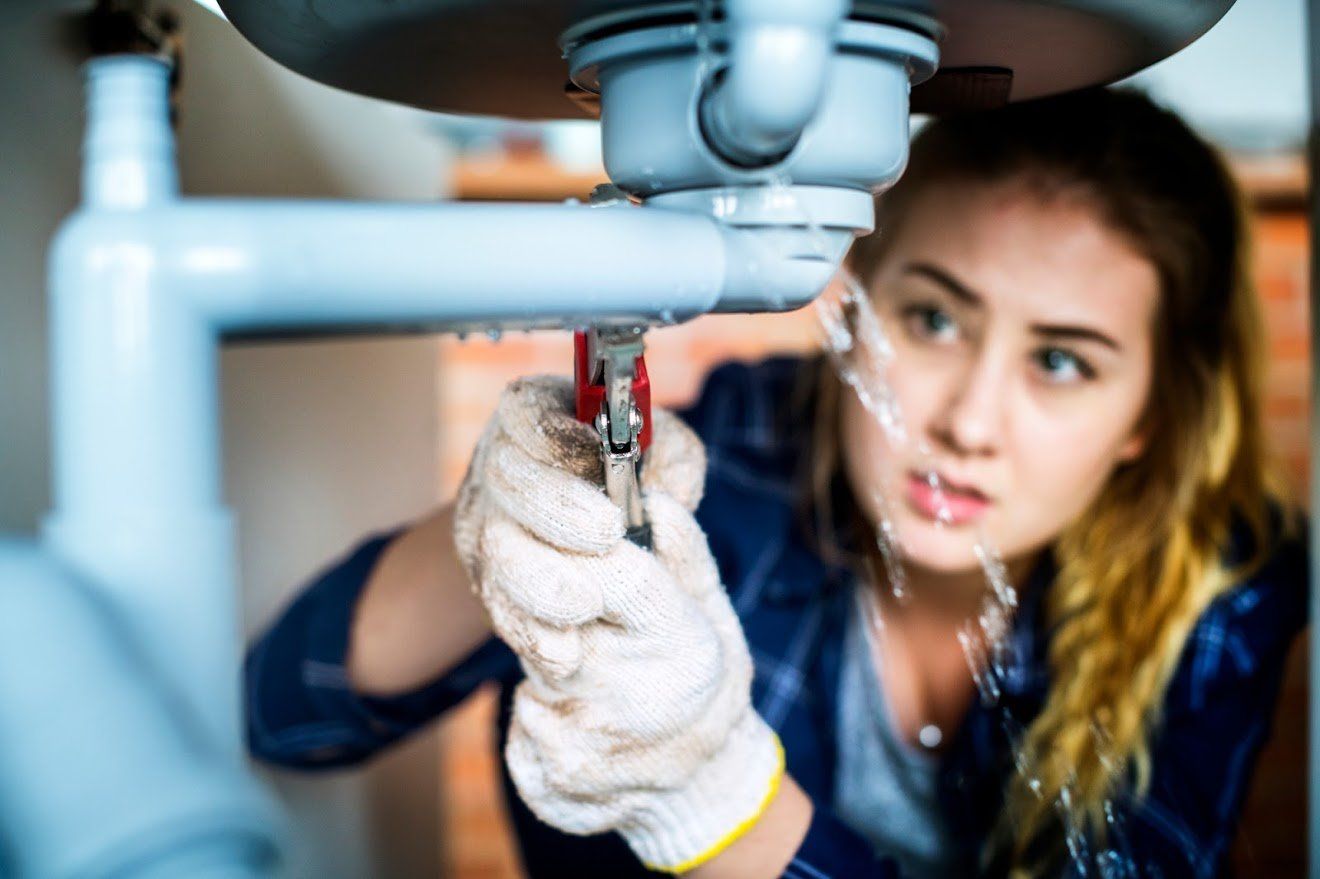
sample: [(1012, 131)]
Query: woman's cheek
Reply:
[(922, 386), (872, 452), (1061, 462)]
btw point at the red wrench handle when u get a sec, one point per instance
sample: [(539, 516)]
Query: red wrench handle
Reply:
[(589, 397)]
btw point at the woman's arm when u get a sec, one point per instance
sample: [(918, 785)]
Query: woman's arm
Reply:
[(377, 646), (417, 616), (797, 839)]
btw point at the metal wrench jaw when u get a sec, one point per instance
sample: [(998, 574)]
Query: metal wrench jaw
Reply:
[(622, 479), (615, 353)]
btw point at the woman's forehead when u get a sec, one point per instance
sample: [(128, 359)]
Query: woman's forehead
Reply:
[(1052, 258)]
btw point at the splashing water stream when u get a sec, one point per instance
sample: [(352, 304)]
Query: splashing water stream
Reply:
[(855, 342)]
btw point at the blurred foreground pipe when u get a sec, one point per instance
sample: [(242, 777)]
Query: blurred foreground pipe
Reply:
[(102, 772)]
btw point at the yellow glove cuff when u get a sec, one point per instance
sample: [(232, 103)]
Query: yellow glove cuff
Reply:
[(741, 828)]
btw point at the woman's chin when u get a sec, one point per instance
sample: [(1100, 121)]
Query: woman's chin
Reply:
[(943, 549)]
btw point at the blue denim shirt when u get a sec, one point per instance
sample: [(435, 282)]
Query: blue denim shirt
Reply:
[(1216, 716)]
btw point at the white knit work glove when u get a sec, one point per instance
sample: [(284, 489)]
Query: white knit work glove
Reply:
[(635, 714)]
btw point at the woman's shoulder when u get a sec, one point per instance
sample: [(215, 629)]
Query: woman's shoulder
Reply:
[(1244, 635), (748, 403), (751, 419), (748, 415)]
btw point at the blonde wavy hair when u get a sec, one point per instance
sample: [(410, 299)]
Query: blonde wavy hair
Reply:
[(1148, 556)]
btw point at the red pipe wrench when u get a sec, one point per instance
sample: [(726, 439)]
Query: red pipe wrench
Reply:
[(613, 392)]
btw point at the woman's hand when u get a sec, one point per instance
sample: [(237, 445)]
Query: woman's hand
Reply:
[(635, 714)]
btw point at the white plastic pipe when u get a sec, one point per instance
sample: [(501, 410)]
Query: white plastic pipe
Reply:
[(144, 285)]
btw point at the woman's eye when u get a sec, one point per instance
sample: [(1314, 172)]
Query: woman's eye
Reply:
[(929, 322), (1062, 367)]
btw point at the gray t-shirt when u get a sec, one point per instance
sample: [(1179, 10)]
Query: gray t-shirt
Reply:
[(884, 788)]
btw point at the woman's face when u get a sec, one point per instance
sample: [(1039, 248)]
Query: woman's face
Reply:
[(1022, 332)]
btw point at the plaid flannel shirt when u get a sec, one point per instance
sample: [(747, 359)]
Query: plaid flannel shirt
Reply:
[(1215, 718)]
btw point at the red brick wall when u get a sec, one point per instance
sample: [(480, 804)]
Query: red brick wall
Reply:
[(1272, 839), (473, 372)]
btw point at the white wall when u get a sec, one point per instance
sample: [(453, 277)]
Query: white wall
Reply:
[(1244, 83), (325, 441), (40, 124)]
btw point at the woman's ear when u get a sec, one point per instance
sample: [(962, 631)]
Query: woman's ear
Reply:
[(1135, 445)]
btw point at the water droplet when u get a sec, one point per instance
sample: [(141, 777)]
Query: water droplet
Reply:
[(1074, 837), (667, 317), (930, 736), (462, 335), (996, 574), (974, 652), (1118, 858), (494, 334), (1026, 767), (1112, 865), (886, 539), (858, 349), (1105, 752)]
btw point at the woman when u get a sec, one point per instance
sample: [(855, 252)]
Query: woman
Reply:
[(1076, 361)]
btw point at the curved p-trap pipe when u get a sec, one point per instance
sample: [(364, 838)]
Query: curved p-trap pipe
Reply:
[(779, 59)]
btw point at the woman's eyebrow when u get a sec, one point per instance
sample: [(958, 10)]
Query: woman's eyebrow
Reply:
[(957, 288), (1062, 331), (961, 291)]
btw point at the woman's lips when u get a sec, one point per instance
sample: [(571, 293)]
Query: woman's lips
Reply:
[(941, 501)]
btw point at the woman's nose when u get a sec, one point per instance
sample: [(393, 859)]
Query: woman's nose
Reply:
[(971, 420)]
